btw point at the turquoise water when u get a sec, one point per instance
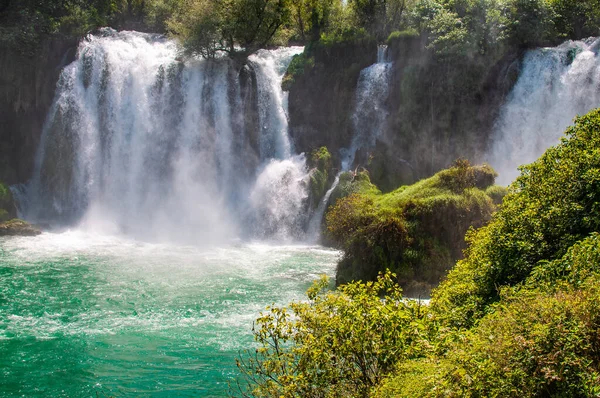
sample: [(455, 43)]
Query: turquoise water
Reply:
[(86, 315)]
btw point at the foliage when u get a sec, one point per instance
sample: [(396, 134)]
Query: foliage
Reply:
[(299, 64), (211, 27), (380, 17), (575, 19), (320, 173), (400, 35), (205, 27), (338, 344), (312, 17), (519, 316), (551, 206), (24, 23), (534, 343), (416, 231), (5, 196), (7, 206)]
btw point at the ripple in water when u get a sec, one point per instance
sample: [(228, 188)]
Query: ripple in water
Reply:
[(82, 314)]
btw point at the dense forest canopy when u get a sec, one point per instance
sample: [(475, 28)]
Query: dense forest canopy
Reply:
[(209, 27)]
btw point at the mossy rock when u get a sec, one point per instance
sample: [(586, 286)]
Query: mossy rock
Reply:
[(320, 159), (4, 216), (417, 231), (321, 174), (7, 204), (353, 183), (299, 64), (16, 227)]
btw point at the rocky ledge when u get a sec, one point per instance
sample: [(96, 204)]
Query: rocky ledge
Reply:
[(18, 227)]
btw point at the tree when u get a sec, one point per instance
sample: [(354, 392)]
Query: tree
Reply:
[(576, 19), (210, 27), (310, 18)]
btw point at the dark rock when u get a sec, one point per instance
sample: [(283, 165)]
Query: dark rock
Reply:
[(18, 227), (28, 83), (322, 98)]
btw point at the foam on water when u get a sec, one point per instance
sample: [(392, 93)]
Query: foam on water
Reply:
[(137, 316)]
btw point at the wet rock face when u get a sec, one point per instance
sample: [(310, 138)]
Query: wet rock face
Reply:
[(436, 110), (321, 99), (27, 89)]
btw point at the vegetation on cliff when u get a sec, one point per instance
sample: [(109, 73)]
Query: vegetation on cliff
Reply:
[(454, 63), (415, 231), (321, 174), (519, 316), (7, 206), (9, 224)]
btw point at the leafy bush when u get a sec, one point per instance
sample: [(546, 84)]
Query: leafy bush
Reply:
[(519, 316), (551, 206), (320, 173), (338, 344), (397, 35), (299, 64), (7, 206), (533, 344)]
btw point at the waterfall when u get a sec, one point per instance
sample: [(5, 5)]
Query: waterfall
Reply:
[(141, 142), (370, 113), (555, 85), (314, 226), (368, 122)]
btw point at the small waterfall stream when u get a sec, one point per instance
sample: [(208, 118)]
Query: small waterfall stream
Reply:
[(368, 121), (555, 85), (370, 113), (314, 226)]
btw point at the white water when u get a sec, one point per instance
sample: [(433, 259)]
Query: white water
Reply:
[(314, 226), (555, 85), (270, 67), (97, 315), (141, 143), (370, 113)]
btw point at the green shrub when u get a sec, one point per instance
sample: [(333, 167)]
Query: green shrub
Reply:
[(4, 216), (320, 173), (533, 344), (551, 206), (497, 193), (338, 344), (6, 199), (299, 64)]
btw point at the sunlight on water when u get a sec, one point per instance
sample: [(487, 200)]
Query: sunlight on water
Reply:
[(82, 313)]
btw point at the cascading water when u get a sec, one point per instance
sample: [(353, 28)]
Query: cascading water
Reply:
[(157, 164), (555, 85), (368, 121), (314, 226), (370, 113), (142, 143)]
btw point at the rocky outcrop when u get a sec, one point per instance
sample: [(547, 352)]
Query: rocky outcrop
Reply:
[(417, 231), (27, 89), (18, 227), (440, 109)]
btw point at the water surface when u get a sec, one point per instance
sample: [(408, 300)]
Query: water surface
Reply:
[(91, 315)]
